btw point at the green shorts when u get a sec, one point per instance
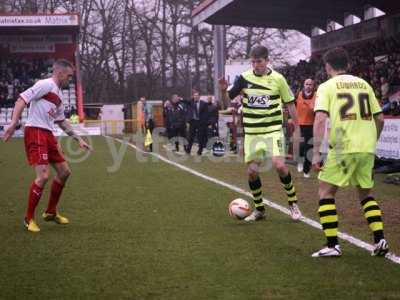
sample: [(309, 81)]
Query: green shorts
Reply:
[(260, 147), (351, 168)]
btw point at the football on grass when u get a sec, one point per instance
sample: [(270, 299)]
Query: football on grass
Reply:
[(239, 209)]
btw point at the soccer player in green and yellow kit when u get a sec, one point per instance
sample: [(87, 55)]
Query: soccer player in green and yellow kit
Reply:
[(264, 92), (356, 122)]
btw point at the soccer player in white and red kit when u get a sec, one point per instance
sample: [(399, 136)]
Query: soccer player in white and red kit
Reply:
[(46, 109)]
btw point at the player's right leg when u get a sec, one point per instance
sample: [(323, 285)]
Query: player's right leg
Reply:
[(256, 190), (36, 149), (337, 172), (329, 220), (35, 193), (253, 156)]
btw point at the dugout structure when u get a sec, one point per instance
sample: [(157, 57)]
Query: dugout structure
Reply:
[(46, 38)]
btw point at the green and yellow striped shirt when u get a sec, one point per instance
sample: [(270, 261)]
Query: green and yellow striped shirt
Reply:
[(263, 96)]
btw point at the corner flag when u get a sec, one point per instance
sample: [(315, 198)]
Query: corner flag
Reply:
[(148, 139)]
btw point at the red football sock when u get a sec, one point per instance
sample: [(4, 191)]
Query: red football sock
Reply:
[(35, 192), (55, 193)]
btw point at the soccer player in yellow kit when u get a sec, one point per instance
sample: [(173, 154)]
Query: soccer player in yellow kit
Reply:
[(356, 122), (264, 92)]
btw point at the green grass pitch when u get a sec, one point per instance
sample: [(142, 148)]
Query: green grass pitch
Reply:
[(151, 231)]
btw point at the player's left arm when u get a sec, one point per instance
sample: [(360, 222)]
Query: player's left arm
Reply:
[(293, 113), (379, 122), (67, 128), (376, 111), (289, 100), (321, 108), (318, 136)]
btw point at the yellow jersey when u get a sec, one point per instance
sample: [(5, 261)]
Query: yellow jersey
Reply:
[(263, 96), (351, 105)]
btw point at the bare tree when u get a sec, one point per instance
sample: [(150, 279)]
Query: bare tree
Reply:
[(149, 47)]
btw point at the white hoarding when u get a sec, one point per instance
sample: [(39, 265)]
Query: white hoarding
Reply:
[(389, 142), (45, 20)]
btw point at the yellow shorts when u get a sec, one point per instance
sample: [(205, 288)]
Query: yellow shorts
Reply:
[(263, 146), (352, 168)]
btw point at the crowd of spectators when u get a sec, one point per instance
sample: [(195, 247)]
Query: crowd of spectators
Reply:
[(192, 120), (378, 62), (16, 75)]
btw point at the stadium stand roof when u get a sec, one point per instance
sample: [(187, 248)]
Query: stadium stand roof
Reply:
[(301, 15)]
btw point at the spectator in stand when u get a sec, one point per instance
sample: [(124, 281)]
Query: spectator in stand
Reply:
[(305, 110), (17, 74), (74, 118), (384, 89), (3, 93), (371, 61), (396, 79), (10, 93)]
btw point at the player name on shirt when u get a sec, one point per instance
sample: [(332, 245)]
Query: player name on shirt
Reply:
[(350, 85)]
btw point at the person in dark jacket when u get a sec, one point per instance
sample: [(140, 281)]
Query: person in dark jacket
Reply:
[(197, 116), (212, 118), (176, 120), (166, 108)]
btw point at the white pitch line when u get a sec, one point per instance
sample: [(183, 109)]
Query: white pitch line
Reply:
[(344, 236)]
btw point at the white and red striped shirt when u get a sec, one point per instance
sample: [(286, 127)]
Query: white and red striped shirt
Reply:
[(46, 106)]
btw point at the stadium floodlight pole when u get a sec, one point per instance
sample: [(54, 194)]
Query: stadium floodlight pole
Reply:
[(219, 59)]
